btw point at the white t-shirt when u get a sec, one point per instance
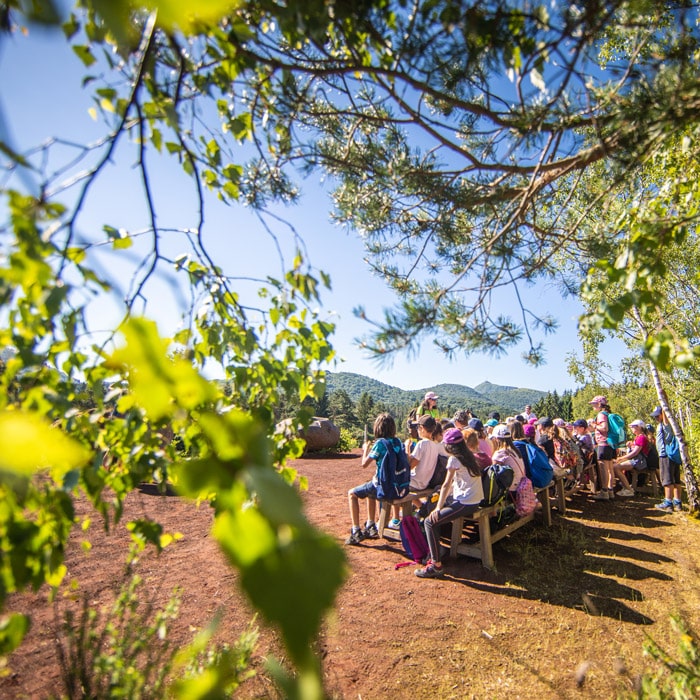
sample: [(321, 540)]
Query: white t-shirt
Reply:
[(426, 452), (466, 489)]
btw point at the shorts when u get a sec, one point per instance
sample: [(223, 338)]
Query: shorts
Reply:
[(605, 453), (670, 472), (368, 490), (639, 463)]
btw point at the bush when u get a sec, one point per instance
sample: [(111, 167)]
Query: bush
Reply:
[(348, 441)]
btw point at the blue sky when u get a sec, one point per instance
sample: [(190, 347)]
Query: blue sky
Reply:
[(42, 97)]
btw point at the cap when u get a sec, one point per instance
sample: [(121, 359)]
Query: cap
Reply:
[(580, 423), (529, 430), (501, 431), (431, 395), (545, 422), (453, 436), (559, 421), (657, 412), (461, 417), (491, 422), (599, 399), (519, 418), (475, 424), (638, 423), (532, 420)]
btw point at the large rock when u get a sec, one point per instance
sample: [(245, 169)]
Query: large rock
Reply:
[(321, 435)]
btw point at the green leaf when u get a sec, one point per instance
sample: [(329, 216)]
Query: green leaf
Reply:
[(12, 630), (84, 54)]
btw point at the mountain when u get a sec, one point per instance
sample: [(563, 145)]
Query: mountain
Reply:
[(483, 399)]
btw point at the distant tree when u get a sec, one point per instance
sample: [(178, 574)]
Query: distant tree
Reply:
[(366, 410), (341, 409)]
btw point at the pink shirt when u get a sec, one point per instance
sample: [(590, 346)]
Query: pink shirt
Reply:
[(512, 460)]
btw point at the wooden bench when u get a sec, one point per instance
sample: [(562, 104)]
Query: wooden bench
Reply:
[(483, 549), (406, 506), (653, 484)]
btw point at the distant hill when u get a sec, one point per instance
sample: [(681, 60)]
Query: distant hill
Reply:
[(483, 399)]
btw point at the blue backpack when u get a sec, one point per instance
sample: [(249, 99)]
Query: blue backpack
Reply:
[(393, 472), (616, 430), (537, 466)]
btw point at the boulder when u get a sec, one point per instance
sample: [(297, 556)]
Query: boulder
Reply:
[(321, 435)]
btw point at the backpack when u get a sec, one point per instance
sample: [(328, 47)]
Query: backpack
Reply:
[(525, 498), (540, 471), (496, 480), (652, 457), (616, 430), (570, 458), (439, 473), (393, 473), (413, 539)]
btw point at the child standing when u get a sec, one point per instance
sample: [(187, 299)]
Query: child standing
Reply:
[(460, 495), (384, 430)]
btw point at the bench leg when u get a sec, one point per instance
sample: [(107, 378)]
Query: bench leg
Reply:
[(456, 538), (561, 495), (543, 498), (485, 542), (384, 513)]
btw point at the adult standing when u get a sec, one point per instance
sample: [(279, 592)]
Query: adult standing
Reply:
[(429, 406), (528, 414), (605, 453)]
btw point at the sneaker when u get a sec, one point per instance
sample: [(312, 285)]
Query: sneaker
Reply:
[(370, 532), (677, 506), (394, 524), (625, 493), (665, 506), (430, 571), (356, 536), (601, 496)]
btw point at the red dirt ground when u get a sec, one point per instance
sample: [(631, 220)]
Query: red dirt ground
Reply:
[(563, 616)]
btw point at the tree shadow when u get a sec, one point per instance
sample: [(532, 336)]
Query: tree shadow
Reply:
[(581, 562)]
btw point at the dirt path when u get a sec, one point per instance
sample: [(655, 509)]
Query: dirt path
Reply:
[(583, 594)]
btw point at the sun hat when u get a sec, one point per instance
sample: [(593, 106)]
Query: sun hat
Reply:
[(476, 424), (599, 399), (453, 436), (638, 423), (501, 431), (657, 412), (431, 395)]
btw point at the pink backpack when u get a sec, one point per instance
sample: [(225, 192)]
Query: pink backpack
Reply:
[(525, 498)]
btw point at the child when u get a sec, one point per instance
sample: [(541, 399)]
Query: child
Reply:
[(604, 452), (636, 457), (460, 495), (384, 427), (670, 469), (505, 452)]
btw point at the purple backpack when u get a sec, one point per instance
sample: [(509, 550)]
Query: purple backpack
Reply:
[(413, 540)]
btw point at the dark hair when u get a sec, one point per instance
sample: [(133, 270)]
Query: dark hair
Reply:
[(384, 426), (516, 430), (465, 456)]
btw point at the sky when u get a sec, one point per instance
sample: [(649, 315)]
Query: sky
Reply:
[(42, 97)]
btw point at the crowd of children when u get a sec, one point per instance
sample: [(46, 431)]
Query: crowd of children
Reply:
[(588, 454)]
